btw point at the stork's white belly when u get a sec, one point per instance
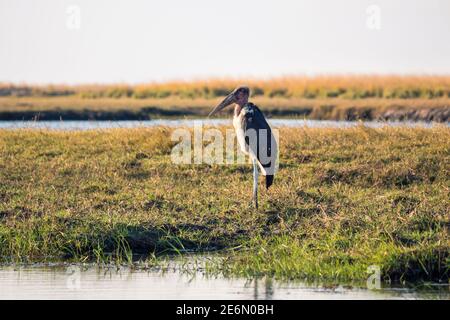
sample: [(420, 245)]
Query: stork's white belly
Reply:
[(240, 134)]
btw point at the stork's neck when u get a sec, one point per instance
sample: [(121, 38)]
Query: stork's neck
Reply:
[(238, 108)]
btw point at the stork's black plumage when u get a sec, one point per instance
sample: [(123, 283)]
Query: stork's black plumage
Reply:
[(253, 119)]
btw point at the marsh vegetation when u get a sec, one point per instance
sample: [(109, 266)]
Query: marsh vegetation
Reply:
[(344, 199), (327, 98)]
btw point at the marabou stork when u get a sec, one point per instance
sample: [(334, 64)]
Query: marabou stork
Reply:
[(254, 135)]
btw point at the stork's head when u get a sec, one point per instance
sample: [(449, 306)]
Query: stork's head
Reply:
[(239, 95)]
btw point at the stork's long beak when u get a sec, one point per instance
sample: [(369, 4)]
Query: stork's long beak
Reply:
[(226, 102)]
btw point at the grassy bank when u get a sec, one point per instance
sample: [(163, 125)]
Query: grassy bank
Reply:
[(329, 98), (75, 108), (344, 199)]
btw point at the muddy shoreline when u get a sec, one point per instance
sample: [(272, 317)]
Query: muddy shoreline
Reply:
[(154, 112)]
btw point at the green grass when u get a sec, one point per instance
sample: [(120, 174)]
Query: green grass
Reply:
[(344, 199)]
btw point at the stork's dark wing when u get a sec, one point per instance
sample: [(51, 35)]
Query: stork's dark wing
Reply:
[(260, 140)]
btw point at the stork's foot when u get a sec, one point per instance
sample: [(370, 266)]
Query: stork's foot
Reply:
[(253, 204)]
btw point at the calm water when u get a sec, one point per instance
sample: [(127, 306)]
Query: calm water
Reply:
[(74, 282), (86, 125)]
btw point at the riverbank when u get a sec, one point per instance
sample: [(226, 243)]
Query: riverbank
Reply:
[(76, 108), (343, 200), (339, 97)]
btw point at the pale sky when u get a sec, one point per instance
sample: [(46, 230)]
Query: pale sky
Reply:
[(133, 41)]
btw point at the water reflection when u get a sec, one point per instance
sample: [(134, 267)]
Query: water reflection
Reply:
[(87, 125), (95, 283)]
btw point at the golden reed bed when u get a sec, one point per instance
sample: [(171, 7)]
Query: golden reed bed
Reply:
[(413, 98)]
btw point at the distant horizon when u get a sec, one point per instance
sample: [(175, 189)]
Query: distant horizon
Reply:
[(225, 78)]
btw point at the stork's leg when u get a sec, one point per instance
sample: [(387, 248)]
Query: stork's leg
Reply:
[(255, 183)]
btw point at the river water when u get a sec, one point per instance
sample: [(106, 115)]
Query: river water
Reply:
[(74, 282), (87, 125)]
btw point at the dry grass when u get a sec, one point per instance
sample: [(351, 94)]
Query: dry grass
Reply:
[(332, 98), (354, 87)]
